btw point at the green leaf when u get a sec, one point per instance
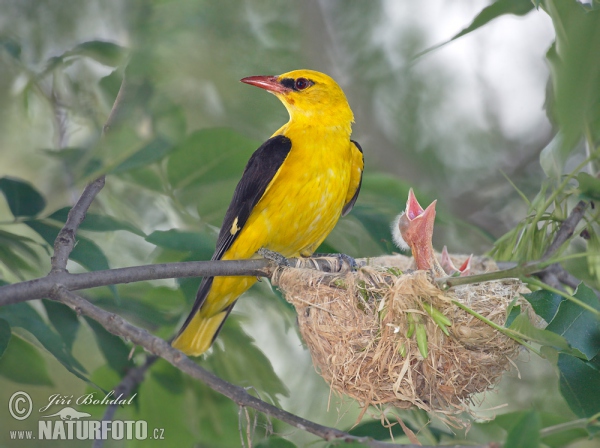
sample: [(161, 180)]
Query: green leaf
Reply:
[(544, 303), (22, 363), (575, 68), (555, 154), (115, 351), (589, 186), (64, 320), (23, 199), (77, 160), (11, 46), (526, 432), (238, 360), (152, 152), (162, 409), (14, 262), (97, 223), (276, 442), (489, 13), (579, 384), (85, 252), (183, 241), (23, 315), (106, 53), (525, 329), (209, 155), (495, 10), (578, 325), (5, 334), (170, 378), (512, 315)]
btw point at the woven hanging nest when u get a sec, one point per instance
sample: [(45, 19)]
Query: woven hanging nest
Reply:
[(356, 324)]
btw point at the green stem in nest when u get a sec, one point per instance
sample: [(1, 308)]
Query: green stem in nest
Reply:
[(505, 331), (540, 284), (446, 283)]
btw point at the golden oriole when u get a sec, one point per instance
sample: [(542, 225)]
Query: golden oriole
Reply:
[(293, 190)]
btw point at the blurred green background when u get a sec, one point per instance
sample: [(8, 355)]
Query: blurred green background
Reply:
[(455, 124)]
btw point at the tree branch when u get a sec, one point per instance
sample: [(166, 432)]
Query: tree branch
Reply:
[(158, 347), (40, 288), (65, 240)]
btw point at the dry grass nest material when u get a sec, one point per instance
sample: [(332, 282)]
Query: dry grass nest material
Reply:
[(355, 326)]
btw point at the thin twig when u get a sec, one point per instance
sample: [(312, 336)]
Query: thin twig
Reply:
[(566, 229), (65, 240), (129, 382)]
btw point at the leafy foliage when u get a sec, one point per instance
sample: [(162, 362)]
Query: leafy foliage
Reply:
[(180, 144)]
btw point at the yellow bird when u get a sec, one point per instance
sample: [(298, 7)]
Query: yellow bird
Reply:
[(293, 191)]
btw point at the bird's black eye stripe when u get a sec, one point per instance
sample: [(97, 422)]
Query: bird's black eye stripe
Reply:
[(289, 83), (296, 84)]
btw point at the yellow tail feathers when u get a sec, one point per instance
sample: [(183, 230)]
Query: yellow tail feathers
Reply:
[(199, 334)]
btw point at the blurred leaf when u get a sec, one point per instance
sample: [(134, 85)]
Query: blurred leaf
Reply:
[(147, 305), (152, 152), (115, 351), (11, 46), (97, 223), (575, 68), (64, 320), (22, 363), (85, 252), (242, 363), (526, 432), (14, 262), (106, 53), (579, 384), (20, 243), (544, 303), (377, 224), (170, 378), (183, 241), (77, 160), (489, 13), (22, 198), (5, 334), (23, 315), (209, 155), (589, 186), (160, 408), (495, 10), (554, 155), (275, 442), (578, 325)]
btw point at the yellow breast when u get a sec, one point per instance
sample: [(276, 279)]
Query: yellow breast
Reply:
[(305, 199)]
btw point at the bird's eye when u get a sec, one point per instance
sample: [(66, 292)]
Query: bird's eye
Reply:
[(302, 83)]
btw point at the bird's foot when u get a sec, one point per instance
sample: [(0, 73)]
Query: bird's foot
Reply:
[(342, 259), (276, 257)]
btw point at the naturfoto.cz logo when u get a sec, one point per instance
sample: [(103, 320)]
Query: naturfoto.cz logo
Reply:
[(70, 424)]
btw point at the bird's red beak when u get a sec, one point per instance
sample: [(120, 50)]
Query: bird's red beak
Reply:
[(269, 83)]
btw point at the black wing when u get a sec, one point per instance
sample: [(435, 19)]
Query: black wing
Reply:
[(258, 174), (350, 204)]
